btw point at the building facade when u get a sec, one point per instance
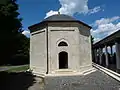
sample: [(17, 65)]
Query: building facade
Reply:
[(60, 42)]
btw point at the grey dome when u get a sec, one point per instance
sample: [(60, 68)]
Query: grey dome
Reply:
[(57, 18), (60, 17)]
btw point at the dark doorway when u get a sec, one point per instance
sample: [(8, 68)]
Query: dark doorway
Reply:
[(63, 60)]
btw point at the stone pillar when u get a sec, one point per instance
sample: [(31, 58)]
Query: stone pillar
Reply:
[(100, 55), (111, 56), (106, 56), (111, 50), (95, 52), (118, 55), (97, 56)]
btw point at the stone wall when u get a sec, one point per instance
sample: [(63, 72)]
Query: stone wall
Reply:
[(38, 52), (74, 34), (78, 49)]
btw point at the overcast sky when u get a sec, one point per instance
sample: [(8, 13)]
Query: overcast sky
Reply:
[(102, 15)]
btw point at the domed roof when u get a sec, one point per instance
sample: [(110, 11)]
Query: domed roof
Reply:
[(57, 18), (60, 17)]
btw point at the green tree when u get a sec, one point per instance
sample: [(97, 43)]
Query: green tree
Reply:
[(92, 39), (11, 28), (21, 56)]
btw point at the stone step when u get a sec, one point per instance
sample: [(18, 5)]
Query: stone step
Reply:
[(64, 71)]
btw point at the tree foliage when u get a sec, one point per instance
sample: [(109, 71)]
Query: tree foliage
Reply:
[(12, 41), (92, 39)]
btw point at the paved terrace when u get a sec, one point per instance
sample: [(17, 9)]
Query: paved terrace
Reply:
[(96, 80)]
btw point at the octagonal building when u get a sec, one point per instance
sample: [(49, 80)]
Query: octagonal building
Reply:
[(60, 43)]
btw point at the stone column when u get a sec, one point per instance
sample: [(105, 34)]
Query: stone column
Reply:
[(106, 56), (95, 52), (111, 50), (100, 55), (111, 56), (118, 55), (97, 56)]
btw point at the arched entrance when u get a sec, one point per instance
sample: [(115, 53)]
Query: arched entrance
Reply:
[(63, 60)]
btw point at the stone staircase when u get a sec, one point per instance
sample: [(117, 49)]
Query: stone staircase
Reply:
[(64, 71)]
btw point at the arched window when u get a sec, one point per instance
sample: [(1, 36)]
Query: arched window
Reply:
[(62, 44)]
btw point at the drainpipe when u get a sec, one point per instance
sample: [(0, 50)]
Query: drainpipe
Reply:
[(47, 48)]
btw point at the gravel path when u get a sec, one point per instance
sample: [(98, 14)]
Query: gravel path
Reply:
[(93, 81)]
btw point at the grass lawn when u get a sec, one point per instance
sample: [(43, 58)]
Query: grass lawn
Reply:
[(19, 69)]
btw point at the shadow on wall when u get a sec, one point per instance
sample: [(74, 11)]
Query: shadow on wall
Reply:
[(16, 81)]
